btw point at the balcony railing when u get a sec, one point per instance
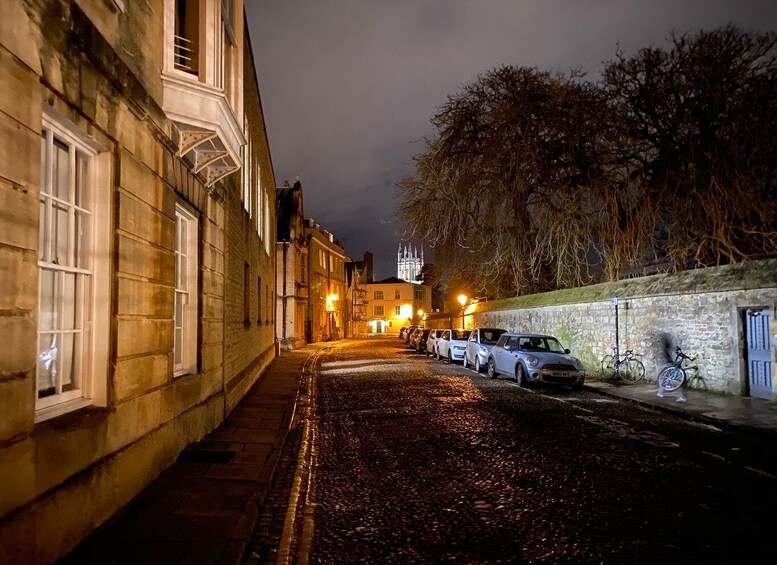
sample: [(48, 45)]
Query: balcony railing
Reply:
[(186, 56)]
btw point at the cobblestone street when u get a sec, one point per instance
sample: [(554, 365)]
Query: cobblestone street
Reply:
[(418, 461)]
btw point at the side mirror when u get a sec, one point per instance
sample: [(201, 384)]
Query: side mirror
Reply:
[(567, 351)]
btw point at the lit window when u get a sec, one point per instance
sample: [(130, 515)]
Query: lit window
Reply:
[(397, 295), (377, 295), (186, 265), (247, 167), (73, 306), (378, 310), (397, 310), (266, 223), (419, 294)]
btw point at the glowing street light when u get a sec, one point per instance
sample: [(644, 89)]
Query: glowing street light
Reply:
[(462, 298), (421, 314)]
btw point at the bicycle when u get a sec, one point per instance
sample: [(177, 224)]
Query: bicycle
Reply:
[(626, 367), (673, 376)]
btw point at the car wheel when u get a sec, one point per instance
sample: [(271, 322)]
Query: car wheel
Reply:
[(464, 362), (449, 359), (478, 368), (491, 369), (520, 376)]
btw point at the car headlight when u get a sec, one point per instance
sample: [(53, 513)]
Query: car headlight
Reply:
[(532, 361), (483, 350)]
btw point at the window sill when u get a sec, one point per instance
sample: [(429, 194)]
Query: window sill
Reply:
[(61, 409)]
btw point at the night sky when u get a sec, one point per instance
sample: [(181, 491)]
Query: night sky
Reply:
[(348, 86)]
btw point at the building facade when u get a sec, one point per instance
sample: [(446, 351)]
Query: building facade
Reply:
[(410, 263), (394, 303), (127, 251), (326, 308), (292, 267)]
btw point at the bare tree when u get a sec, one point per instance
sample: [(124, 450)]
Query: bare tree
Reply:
[(702, 120)]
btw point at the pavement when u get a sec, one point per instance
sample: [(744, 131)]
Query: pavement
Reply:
[(204, 508), (740, 413)]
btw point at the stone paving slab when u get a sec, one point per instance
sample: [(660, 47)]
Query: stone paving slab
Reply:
[(746, 414), (204, 507)]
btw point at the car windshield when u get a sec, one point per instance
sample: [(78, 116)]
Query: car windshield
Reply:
[(460, 334), (490, 337), (550, 344)]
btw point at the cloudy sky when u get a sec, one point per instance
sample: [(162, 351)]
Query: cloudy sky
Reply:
[(349, 86)]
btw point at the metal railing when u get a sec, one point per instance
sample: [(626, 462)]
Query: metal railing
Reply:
[(186, 56)]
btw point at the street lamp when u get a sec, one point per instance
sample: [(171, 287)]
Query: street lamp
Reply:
[(462, 298), (421, 315)]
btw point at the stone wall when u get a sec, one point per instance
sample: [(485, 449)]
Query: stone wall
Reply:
[(250, 336), (702, 311), (99, 71)]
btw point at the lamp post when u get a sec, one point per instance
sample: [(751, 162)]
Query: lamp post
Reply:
[(421, 314), (462, 298)]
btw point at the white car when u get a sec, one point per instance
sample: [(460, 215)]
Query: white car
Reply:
[(480, 342), (452, 344), (431, 342)]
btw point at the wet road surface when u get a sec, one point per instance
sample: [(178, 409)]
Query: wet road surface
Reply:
[(417, 461)]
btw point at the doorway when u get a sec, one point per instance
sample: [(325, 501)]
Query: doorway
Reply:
[(759, 353)]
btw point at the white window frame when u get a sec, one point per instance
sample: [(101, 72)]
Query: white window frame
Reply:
[(248, 173), (186, 286), (397, 295), (266, 223), (397, 310), (417, 292), (379, 310), (91, 310), (377, 295)]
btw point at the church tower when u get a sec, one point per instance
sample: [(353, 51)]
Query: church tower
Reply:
[(409, 263)]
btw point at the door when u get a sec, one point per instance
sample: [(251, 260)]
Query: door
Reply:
[(759, 354), (379, 327)]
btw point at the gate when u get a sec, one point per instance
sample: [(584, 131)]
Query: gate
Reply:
[(759, 355)]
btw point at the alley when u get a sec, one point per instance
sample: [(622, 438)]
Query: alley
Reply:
[(418, 461)]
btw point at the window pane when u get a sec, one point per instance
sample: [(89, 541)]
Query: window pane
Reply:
[(47, 313), (83, 248), (82, 194), (66, 363), (61, 175), (60, 234), (43, 239), (68, 301), (44, 164), (178, 310), (47, 364)]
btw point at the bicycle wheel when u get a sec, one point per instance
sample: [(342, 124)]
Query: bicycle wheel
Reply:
[(631, 370), (608, 366), (671, 378), (626, 370)]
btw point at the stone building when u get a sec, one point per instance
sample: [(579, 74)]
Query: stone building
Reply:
[(292, 267), (135, 254), (326, 308), (410, 263), (394, 303)]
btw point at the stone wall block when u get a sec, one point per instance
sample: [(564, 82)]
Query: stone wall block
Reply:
[(213, 234), (144, 260), (212, 308), (63, 452), (212, 259), (140, 219), (19, 345), (18, 279), (139, 375), (211, 356), (20, 160), (212, 283), (17, 475), (212, 332), (18, 394), (139, 180), (144, 298), (143, 337), (20, 83)]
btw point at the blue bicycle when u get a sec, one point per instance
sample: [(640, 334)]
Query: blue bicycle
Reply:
[(673, 376)]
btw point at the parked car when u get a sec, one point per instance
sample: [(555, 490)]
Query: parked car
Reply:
[(532, 358), (408, 332), (479, 344), (402, 331), (452, 344), (414, 336), (420, 342), (431, 341)]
